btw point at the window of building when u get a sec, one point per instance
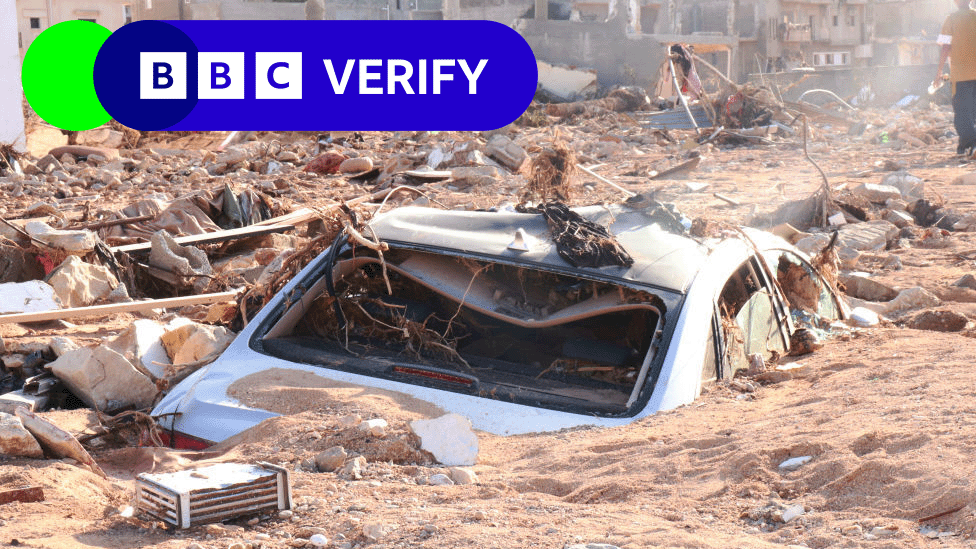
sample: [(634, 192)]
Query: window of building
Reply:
[(835, 20), (831, 59), (148, 4), (126, 14), (35, 22)]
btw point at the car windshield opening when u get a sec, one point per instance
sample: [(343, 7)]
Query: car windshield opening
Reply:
[(496, 330)]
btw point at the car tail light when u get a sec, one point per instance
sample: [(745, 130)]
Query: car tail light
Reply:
[(180, 441)]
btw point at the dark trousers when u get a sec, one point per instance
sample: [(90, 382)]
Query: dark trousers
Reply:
[(964, 107)]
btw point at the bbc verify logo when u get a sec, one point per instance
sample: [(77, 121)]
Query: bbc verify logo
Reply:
[(220, 75), (315, 75)]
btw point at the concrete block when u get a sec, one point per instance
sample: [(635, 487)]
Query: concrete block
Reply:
[(876, 193), (32, 296), (15, 440), (192, 342), (104, 379), (506, 151), (73, 242), (449, 438), (79, 284), (899, 218), (870, 236)]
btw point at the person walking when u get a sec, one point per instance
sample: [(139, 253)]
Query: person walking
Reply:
[(958, 41)]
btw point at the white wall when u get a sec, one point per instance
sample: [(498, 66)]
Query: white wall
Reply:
[(11, 107)]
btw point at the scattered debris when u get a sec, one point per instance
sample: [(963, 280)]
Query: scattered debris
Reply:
[(448, 438)]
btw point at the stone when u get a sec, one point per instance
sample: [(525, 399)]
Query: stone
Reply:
[(49, 164), (318, 540), (286, 514), (375, 531), (884, 531), (592, 546), (812, 244), (351, 420), (876, 193), (792, 512), (104, 137), (74, 242), (899, 218), (463, 475), (892, 263), (192, 342), (863, 287), (356, 165), (61, 345), (868, 236), (231, 156), (9, 402), (440, 479), (141, 343), (939, 321), (80, 284), (795, 463), (180, 261), (964, 179), (506, 152), (912, 298), (331, 459), (32, 296), (375, 427), (864, 318), (354, 468), (852, 530), (449, 438), (909, 186), (15, 440), (966, 281), (103, 379), (475, 176)]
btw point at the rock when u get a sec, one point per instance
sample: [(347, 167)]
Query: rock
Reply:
[(852, 530), (61, 345), (73, 242), (351, 420), (103, 379), (848, 257), (506, 152), (80, 284), (318, 540), (792, 512), (795, 463), (876, 193), (910, 187), (939, 321), (912, 298), (356, 165), (325, 163), (49, 164), (449, 438), (375, 427), (475, 176), (354, 468), (463, 475), (899, 218), (893, 263), (812, 244), (868, 236), (377, 530), (15, 440), (966, 281), (180, 261), (231, 156), (288, 156), (440, 479), (285, 515), (965, 223), (100, 136), (864, 318), (964, 179), (884, 531), (192, 342), (32, 296), (9, 402), (863, 287), (331, 459), (141, 343)]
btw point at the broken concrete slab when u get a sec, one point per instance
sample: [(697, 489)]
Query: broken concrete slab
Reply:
[(475, 176), (899, 218), (506, 151), (912, 298), (865, 288), (9, 402), (104, 379), (73, 242), (141, 343), (876, 193), (32, 296), (449, 438), (182, 261), (567, 83), (192, 342), (57, 441), (870, 236), (79, 284), (15, 440), (910, 187)]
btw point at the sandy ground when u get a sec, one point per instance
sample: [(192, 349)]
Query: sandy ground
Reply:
[(883, 414)]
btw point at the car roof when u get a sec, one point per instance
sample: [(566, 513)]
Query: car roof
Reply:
[(661, 259)]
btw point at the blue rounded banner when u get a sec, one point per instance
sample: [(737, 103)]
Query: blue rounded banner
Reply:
[(315, 75)]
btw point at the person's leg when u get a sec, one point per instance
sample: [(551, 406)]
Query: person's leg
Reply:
[(964, 119)]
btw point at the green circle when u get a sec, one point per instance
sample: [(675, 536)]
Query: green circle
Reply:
[(58, 75)]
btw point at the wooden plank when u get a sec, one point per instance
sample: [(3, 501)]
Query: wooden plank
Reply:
[(27, 494), (210, 238), (101, 310)]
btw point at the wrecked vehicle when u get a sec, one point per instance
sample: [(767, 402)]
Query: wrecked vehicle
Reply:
[(485, 315)]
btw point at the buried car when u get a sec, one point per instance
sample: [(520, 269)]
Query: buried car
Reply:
[(515, 322)]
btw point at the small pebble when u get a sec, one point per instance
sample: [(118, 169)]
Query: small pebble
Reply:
[(319, 540), (285, 515)]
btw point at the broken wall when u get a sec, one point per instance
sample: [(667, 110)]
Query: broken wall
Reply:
[(11, 109)]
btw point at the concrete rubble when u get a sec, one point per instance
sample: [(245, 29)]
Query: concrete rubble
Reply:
[(104, 379), (15, 440), (79, 284), (449, 438)]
